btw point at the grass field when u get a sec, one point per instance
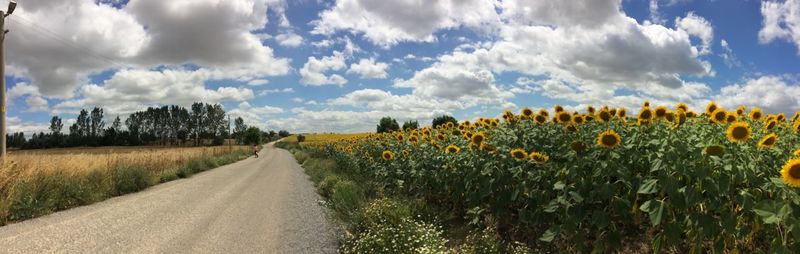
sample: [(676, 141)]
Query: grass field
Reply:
[(37, 182)]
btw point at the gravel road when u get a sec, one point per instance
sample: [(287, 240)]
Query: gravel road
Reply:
[(258, 205)]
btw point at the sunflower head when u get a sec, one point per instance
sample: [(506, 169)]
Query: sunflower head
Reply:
[(682, 106), (590, 110), (796, 153), (399, 137), (646, 104), (604, 115), (609, 139), (781, 117), (790, 173), (660, 112), (730, 118), (719, 116), (387, 155), (571, 128), (738, 132), (711, 107), (768, 141), (452, 149), (544, 113), (527, 112), (563, 117), (538, 158), (540, 119), (622, 112), (714, 150), (741, 110), (558, 108), (577, 119), (645, 114), (691, 114), (450, 125), (669, 116), (756, 114), (478, 138), (441, 137), (519, 153), (588, 118), (413, 139), (770, 124)]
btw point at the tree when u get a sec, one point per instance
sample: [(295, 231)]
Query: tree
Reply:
[(96, 123), (444, 119), (410, 125), (55, 131), (252, 136), (283, 133), (388, 124), (301, 138), (238, 129)]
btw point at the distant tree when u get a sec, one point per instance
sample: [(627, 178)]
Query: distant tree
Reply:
[(301, 138), (55, 131), (443, 119), (388, 124), (238, 129), (283, 133), (410, 125), (96, 124), (252, 136)]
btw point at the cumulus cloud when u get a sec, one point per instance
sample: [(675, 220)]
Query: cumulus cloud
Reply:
[(16, 124), (387, 23), (254, 115), (289, 39), (771, 93), (368, 68), (58, 44), (697, 26), (313, 71), (781, 21)]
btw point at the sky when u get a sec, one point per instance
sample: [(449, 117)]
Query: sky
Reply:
[(340, 66)]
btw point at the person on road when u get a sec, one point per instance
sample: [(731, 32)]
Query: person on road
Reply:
[(255, 150)]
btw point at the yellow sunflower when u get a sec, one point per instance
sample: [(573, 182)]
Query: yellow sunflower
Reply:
[(478, 138), (756, 114), (399, 137), (770, 124), (441, 137), (544, 113), (609, 139), (730, 118), (660, 112), (527, 112), (578, 146), (646, 104), (604, 115), (387, 155), (538, 158), (645, 114), (738, 132), (519, 153), (612, 111), (540, 119), (768, 141), (558, 108), (711, 107), (791, 173), (669, 116), (488, 147), (590, 110), (622, 112), (571, 128), (563, 117), (719, 116), (682, 106), (452, 149), (577, 119), (796, 153)]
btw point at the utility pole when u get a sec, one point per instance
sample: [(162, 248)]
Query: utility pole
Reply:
[(11, 6), (229, 134)]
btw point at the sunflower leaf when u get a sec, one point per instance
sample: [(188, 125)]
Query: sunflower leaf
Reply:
[(649, 186)]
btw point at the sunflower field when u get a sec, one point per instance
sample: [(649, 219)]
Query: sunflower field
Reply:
[(604, 179)]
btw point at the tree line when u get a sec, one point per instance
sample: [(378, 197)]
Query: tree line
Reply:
[(200, 124), (388, 124)]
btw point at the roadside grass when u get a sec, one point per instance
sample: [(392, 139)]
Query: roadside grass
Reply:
[(26, 193)]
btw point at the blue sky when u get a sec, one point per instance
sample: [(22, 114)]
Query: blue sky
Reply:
[(338, 66)]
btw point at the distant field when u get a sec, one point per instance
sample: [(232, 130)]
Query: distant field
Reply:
[(311, 138)]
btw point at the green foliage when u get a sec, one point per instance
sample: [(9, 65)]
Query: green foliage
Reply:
[(129, 179), (43, 194), (252, 135), (442, 120), (388, 124), (347, 197), (326, 185), (301, 138), (411, 125)]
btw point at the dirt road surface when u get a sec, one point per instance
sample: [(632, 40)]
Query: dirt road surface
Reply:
[(258, 205)]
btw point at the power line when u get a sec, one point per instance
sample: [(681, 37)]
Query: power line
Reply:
[(55, 36)]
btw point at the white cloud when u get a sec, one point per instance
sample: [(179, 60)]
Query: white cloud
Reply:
[(728, 56), (771, 93), (276, 90), (697, 26), (368, 68), (781, 21), (313, 71), (36, 104), (387, 23), (16, 124), (289, 39), (57, 44), (131, 90), (254, 115), (258, 82)]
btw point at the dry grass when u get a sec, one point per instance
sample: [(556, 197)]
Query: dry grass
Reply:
[(34, 168)]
